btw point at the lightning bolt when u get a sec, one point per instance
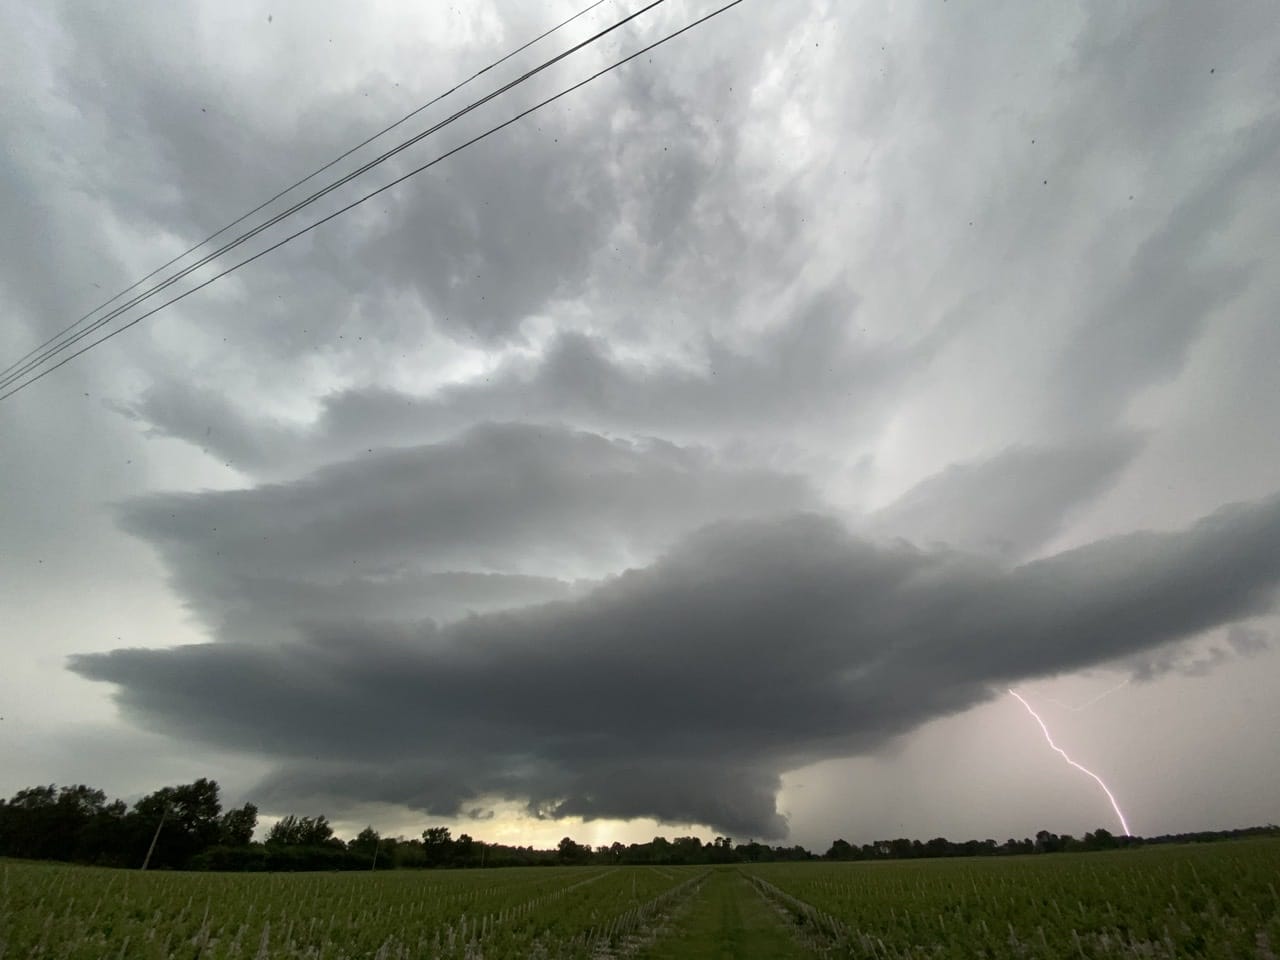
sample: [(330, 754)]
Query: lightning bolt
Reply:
[(1085, 770), (1089, 703)]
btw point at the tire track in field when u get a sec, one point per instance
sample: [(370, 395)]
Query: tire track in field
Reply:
[(728, 920), (629, 932), (622, 936), (815, 929)]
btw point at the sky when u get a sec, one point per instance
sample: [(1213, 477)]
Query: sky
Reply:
[(709, 451)]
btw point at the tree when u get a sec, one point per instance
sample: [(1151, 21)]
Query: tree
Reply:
[(44, 822), (840, 850), (569, 852), (1047, 842), (196, 807), (436, 836), (35, 798), (294, 831), (721, 850), (464, 850), (237, 826), (317, 831), (1100, 839), (754, 852), (366, 842), (437, 845), (937, 847), (660, 850), (686, 850), (901, 848), (81, 800), (189, 813)]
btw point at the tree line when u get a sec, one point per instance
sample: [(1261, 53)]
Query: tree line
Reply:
[(1044, 842), (185, 827)]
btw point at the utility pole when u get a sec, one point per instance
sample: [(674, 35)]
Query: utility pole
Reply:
[(156, 836)]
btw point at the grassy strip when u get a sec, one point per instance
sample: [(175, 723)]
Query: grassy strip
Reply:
[(728, 921)]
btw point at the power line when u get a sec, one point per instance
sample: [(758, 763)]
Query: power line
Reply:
[(101, 321), (380, 190), (4, 374), (369, 196), (324, 191)]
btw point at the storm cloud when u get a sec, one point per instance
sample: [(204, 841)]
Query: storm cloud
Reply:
[(750, 649), (501, 514), (1010, 503), (813, 368), (803, 382)]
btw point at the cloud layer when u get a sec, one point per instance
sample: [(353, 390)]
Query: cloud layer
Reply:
[(501, 514), (683, 690)]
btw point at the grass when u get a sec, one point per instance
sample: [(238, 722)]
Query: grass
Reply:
[(727, 920), (1215, 900), (79, 913), (1197, 900)]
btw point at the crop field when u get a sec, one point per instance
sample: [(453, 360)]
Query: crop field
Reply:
[(1215, 900), (77, 912), (1211, 900)]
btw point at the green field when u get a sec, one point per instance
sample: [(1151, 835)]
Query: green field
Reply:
[(1212, 900)]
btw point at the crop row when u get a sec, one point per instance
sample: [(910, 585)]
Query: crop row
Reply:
[(69, 913), (1217, 900)]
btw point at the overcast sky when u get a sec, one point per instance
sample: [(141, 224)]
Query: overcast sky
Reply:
[(709, 451)]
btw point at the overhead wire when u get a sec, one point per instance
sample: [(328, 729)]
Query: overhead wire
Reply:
[(250, 234), (369, 196), (297, 183), (324, 191)]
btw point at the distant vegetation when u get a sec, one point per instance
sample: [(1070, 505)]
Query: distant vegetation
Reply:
[(190, 830)]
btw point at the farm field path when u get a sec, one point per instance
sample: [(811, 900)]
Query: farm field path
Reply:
[(727, 920)]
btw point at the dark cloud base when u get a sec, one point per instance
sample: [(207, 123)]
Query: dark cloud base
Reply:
[(683, 690)]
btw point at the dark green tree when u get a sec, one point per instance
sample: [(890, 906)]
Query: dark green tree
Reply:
[(437, 846), (1100, 839), (569, 852), (841, 850), (293, 831), (366, 842), (189, 813), (237, 826), (465, 850)]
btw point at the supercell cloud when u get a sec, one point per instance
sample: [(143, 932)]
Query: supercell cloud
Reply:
[(684, 689)]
